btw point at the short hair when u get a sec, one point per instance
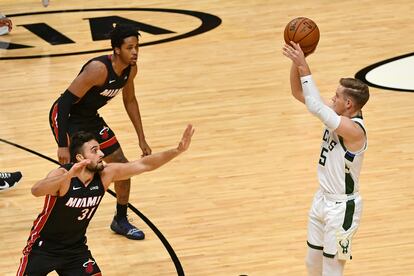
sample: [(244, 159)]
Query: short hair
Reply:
[(77, 141), (357, 90), (120, 32)]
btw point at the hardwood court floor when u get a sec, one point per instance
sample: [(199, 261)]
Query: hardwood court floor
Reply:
[(235, 203)]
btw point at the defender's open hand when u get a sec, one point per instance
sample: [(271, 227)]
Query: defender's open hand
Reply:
[(186, 140)]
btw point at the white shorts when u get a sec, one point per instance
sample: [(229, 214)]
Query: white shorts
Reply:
[(331, 216)]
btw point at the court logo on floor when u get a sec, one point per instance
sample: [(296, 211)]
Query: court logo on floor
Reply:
[(391, 74), (84, 31)]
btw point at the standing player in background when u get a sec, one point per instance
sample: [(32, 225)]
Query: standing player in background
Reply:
[(336, 208), (72, 193), (7, 179), (99, 80)]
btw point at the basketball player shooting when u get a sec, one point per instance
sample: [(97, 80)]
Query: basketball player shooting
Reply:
[(57, 240), (336, 208), (100, 80)]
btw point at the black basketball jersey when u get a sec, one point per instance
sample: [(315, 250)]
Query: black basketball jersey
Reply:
[(64, 220), (99, 96)]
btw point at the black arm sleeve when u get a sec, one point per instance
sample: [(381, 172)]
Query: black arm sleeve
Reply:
[(64, 105)]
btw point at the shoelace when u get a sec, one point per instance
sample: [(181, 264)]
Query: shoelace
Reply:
[(5, 175)]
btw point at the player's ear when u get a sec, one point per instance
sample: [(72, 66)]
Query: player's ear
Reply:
[(79, 157), (349, 103), (117, 50)]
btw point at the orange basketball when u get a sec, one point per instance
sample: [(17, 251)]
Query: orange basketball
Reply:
[(304, 31)]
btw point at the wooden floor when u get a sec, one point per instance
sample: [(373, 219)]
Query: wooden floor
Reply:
[(236, 203)]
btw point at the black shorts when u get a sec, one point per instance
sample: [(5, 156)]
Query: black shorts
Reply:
[(93, 124), (40, 262)]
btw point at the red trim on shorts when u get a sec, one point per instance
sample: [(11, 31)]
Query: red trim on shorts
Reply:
[(22, 266), (54, 121), (38, 225), (108, 143), (55, 126)]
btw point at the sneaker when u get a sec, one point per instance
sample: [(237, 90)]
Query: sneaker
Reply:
[(9, 180), (122, 227)]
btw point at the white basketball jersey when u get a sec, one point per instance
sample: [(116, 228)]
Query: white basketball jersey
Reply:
[(339, 169)]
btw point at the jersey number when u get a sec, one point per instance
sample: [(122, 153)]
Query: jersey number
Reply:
[(322, 159), (86, 212)]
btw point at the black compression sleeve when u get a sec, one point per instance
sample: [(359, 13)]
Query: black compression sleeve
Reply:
[(64, 105)]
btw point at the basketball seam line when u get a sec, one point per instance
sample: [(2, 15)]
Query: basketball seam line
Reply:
[(293, 38), (308, 34)]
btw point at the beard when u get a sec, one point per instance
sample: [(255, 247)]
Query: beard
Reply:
[(96, 167)]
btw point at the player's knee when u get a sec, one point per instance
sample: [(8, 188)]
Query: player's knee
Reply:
[(309, 263), (121, 159), (333, 266), (314, 268), (117, 157)]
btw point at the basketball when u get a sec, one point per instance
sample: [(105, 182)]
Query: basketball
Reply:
[(304, 31)]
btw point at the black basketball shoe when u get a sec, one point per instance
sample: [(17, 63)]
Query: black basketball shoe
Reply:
[(122, 227), (9, 180)]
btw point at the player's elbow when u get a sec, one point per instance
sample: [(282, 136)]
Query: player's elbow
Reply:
[(323, 112), (298, 96), (36, 191)]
